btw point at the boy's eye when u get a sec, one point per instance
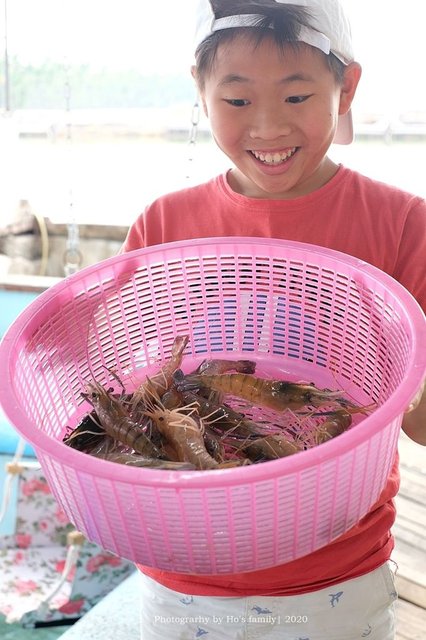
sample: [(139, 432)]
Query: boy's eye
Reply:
[(237, 102), (297, 99)]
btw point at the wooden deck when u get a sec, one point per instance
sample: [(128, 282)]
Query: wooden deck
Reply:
[(410, 547)]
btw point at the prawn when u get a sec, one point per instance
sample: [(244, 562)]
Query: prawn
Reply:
[(274, 394), (338, 422), (224, 417), (208, 414), (117, 423), (162, 380), (219, 366), (271, 447), (135, 460), (183, 432)]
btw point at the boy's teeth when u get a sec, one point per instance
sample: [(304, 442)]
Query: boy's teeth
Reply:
[(274, 158)]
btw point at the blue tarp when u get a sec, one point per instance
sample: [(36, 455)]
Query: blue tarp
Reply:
[(11, 305)]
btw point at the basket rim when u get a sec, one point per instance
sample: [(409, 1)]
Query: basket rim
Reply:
[(370, 425)]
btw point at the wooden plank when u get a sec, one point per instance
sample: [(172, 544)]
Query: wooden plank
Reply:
[(412, 455), (410, 590), (411, 521), (410, 621), (410, 526), (413, 484)]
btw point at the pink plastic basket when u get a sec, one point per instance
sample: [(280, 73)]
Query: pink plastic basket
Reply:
[(302, 312)]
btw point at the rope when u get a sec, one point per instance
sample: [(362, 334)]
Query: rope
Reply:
[(70, 562), (195, 119), (44, 243), (13, 469), (7, 492), (72, 257)]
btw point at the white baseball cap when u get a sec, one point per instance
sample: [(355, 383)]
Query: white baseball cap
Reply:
[(331, 33)]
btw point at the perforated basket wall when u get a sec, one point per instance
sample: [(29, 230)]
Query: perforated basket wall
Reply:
[(303, 313)]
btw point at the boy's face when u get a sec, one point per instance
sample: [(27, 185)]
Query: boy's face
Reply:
[(274, 114)]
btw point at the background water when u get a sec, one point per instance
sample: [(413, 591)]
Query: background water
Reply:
[(109, 181)]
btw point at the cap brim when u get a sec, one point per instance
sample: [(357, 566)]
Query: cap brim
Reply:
[(345, 129)]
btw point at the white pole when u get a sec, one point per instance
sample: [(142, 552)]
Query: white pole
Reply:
[(6, 64)]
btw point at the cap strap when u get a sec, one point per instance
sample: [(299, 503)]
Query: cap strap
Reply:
[(308, 36)]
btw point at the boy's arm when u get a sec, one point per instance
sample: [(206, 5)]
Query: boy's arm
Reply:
[(414, 421)]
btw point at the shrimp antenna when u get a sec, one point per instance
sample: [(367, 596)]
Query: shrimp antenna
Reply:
[(116, 378)]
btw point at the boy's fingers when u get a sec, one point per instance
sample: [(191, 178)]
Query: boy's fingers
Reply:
[(416, 400)]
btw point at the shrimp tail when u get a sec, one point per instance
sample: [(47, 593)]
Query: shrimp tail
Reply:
[(219, 366), (335, 425), (271, 447), (161, 381)]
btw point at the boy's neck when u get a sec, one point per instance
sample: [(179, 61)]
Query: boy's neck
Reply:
[(324, 173)]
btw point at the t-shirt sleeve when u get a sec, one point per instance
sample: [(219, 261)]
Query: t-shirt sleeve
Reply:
[(135, 238), (410, 268)]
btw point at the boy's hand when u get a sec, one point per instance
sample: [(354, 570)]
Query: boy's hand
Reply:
[(414, 420), (416, 400)]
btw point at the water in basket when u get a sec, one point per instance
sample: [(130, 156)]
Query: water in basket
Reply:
[(301, 312)]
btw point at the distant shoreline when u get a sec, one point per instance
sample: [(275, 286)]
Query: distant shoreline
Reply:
[(172, 124)]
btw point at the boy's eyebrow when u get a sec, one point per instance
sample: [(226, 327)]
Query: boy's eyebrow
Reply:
[(294, 77), (233, 77), (297, 77)]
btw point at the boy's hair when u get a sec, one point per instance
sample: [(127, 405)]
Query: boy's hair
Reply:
[(282, 22)]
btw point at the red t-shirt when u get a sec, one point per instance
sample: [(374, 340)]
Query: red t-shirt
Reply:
[(367, 219)]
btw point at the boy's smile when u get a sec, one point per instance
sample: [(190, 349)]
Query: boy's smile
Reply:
[(274, 157), (274, 113)]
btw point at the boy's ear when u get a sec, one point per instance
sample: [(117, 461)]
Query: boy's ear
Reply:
[(350, 82)]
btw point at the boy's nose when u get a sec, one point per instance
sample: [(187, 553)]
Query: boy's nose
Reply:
[(267, 124)]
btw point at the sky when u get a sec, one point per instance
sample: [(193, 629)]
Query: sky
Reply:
[(157, 36)]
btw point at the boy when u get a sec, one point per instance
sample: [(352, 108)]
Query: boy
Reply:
[(276, 80)]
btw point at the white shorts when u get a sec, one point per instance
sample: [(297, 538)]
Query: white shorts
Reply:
[(352, 610)]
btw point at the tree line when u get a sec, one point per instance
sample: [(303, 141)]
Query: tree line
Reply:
[(52, 85)]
